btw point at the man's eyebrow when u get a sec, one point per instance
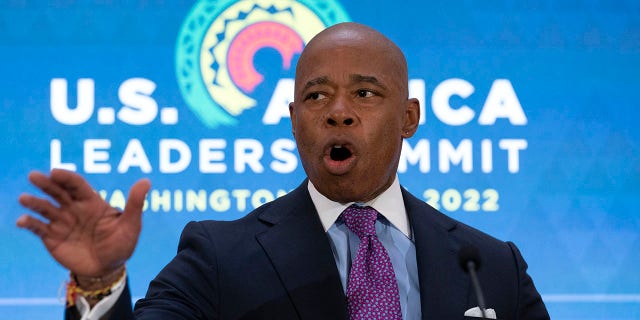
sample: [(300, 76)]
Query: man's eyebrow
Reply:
[(356, 78), (316, 81)]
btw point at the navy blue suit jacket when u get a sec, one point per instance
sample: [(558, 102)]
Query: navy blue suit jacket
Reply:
[(276, 263)]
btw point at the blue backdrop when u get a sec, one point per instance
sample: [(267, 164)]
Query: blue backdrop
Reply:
[(529, 125)]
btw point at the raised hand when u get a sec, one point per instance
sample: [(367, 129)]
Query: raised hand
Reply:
[(83, 233)]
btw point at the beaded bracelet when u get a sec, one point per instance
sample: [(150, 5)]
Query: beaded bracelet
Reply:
[(96, 295)]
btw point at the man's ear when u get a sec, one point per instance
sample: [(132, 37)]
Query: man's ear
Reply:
[(292, 115), (412, 118)]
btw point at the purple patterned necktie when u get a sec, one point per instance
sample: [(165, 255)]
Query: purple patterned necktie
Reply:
[(372, 290)]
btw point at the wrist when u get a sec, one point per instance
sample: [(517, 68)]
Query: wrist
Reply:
[(87, 283), (93, 289)]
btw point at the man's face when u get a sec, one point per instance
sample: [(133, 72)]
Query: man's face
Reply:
[(349, 117)]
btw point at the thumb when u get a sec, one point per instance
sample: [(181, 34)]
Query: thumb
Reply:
[(133, 209)]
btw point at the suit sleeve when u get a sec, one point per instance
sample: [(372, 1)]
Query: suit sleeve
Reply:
[(530, 304), (185, 288)]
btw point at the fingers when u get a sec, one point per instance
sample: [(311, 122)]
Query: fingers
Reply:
[(133, 209), (32, 224), (74, 184), (45, 184), (40, 206), (62, 185)]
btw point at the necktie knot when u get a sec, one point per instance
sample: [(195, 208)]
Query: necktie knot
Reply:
[(360, 220)]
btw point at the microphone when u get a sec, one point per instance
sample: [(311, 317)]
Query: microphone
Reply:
[(469, 260)]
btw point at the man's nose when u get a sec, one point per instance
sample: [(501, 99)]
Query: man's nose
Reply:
[(340, 114)]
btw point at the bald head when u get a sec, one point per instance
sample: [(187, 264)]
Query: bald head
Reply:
[(360, 37)]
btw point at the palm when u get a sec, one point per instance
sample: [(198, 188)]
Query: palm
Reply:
[(90, 239), (84, 233)]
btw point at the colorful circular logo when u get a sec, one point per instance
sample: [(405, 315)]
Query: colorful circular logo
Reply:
[(218, 41)]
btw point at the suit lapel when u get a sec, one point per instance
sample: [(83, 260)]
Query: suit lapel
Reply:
[(301, 254), (444, 288)]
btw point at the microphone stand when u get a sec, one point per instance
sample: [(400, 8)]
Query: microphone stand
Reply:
[(471, 267)]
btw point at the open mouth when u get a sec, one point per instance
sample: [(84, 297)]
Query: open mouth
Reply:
[(340, 153), (340, 157)]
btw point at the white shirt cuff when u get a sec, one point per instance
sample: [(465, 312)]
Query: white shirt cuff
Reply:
[(104, 305)]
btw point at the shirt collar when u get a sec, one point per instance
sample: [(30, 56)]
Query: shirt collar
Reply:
[(389, 203)]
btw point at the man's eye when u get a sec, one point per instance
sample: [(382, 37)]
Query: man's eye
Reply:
[(315, 96), (365, 93)]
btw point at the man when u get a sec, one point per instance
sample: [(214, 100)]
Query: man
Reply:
[(300, 256)]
